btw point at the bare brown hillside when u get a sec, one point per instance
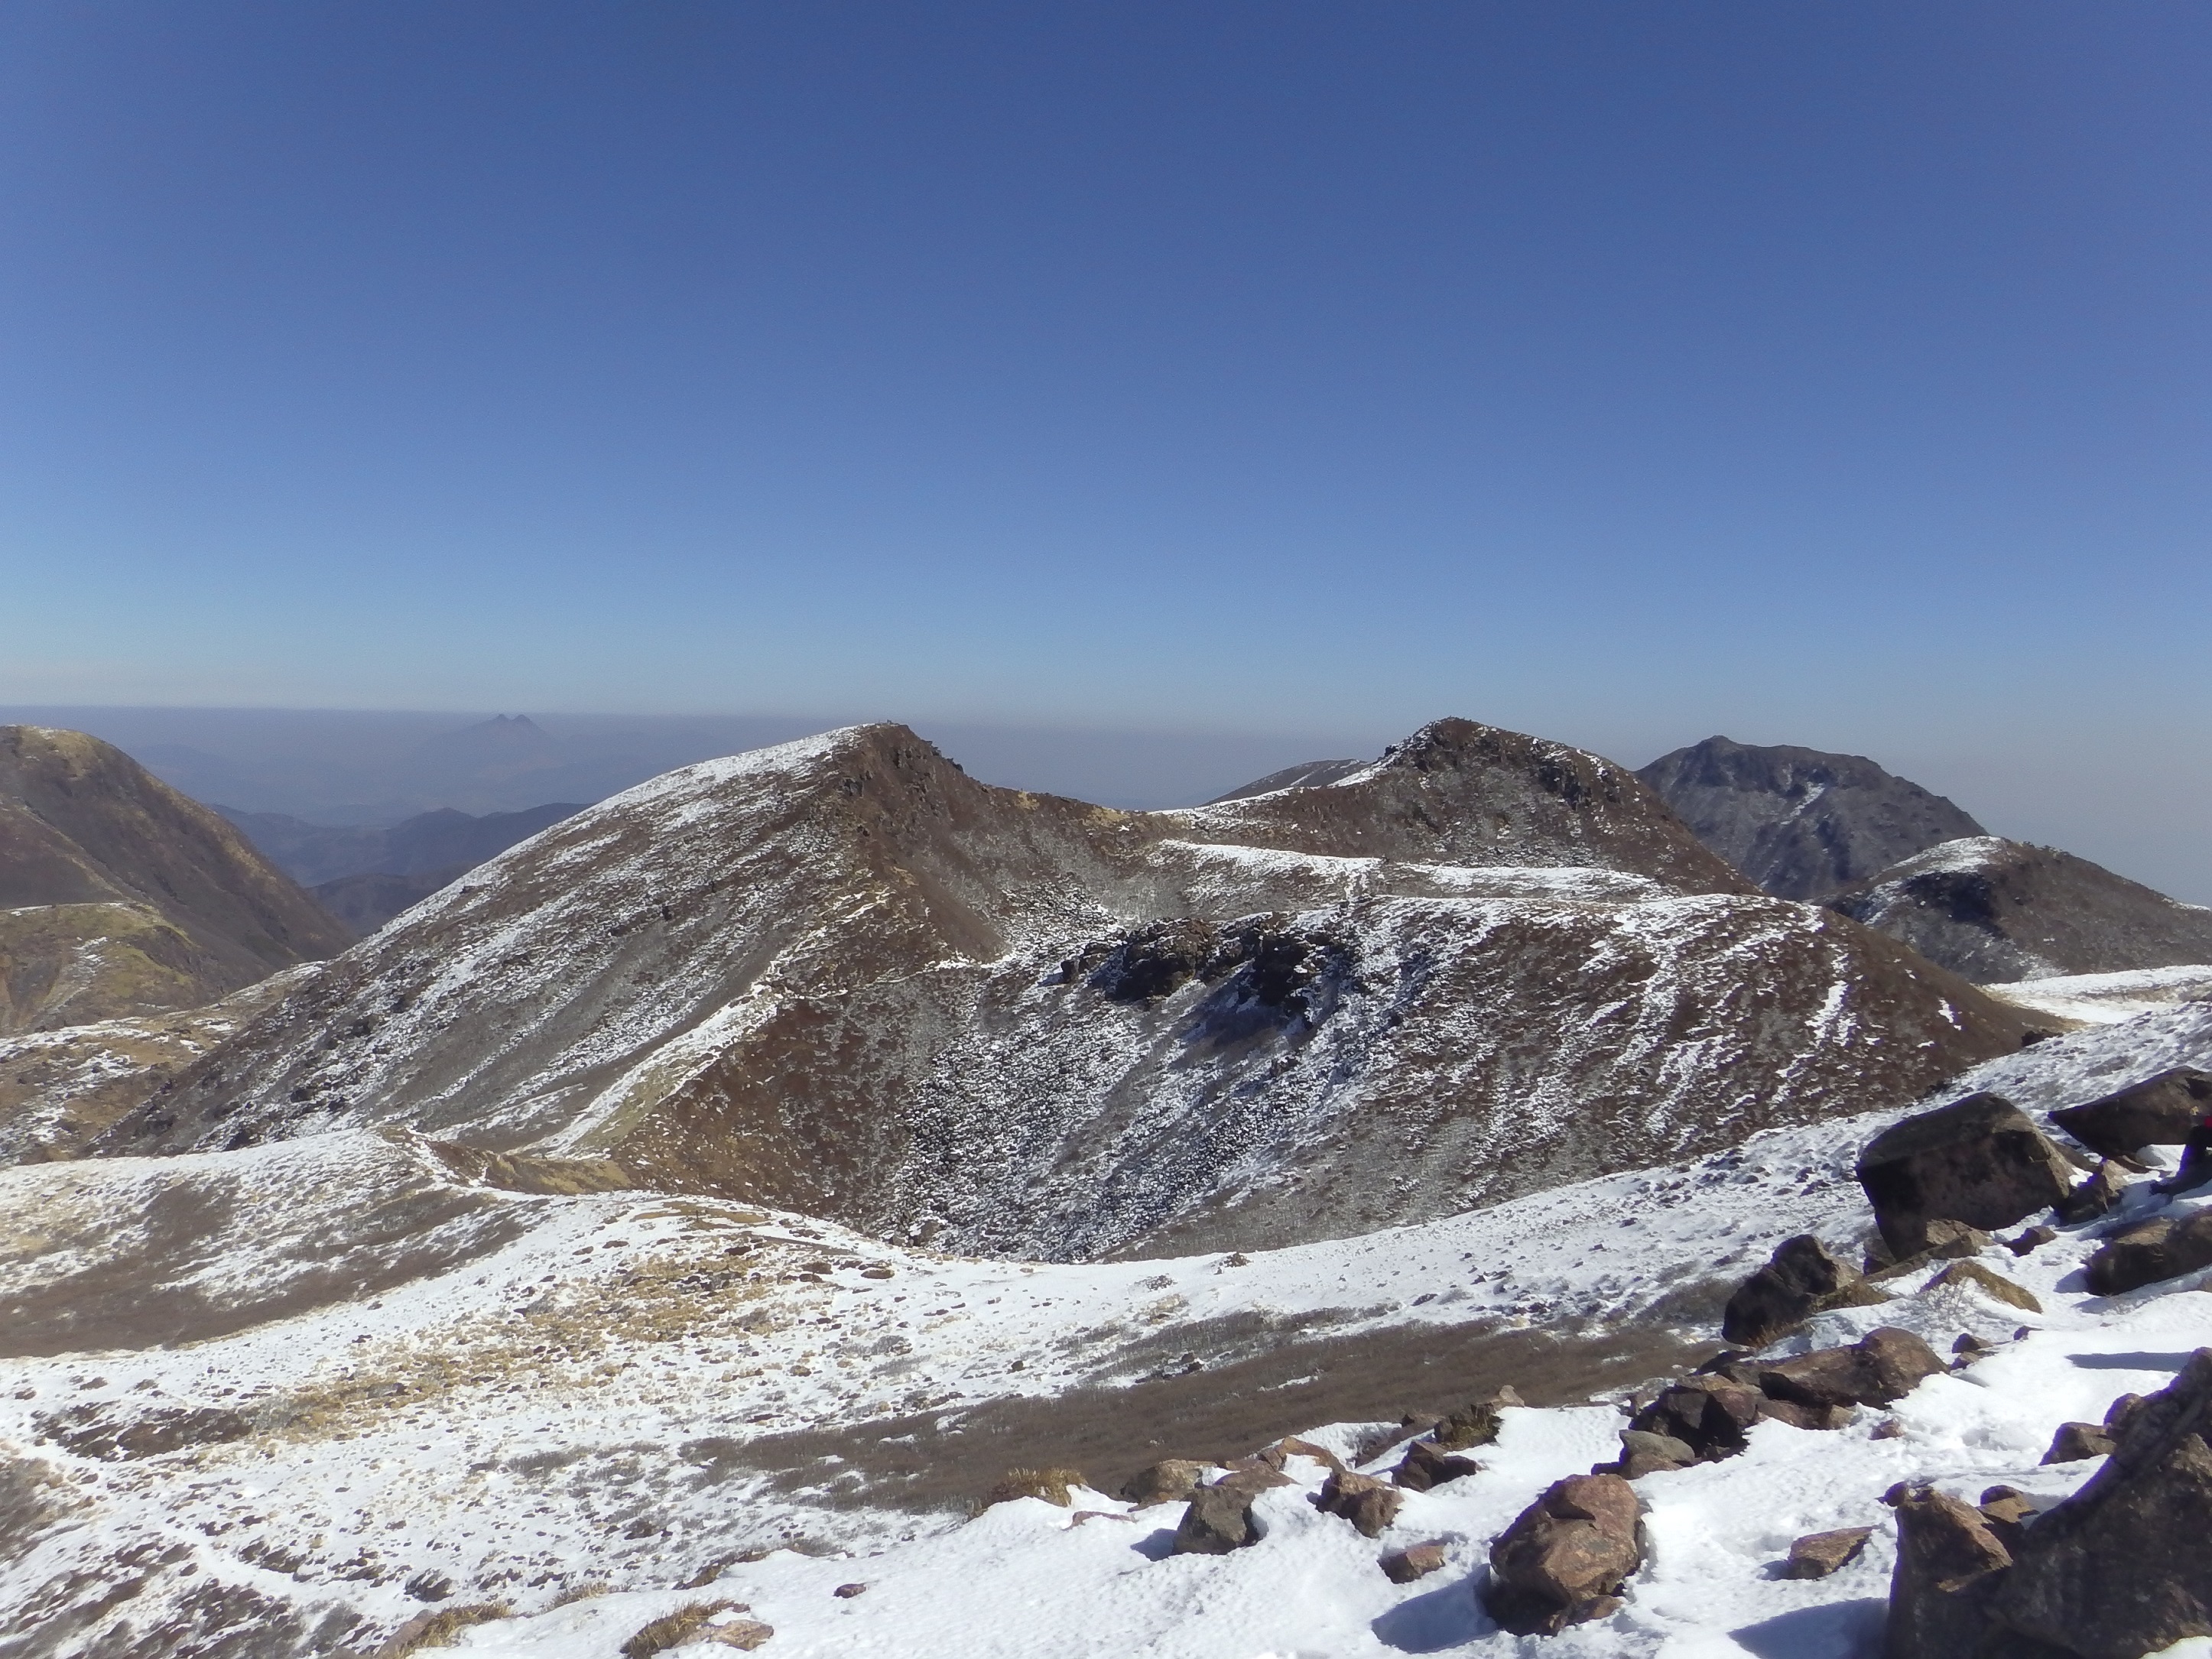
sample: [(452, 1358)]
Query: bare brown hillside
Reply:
[(119, 896)]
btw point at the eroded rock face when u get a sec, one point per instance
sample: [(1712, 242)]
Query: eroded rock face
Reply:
[(2165, 1248), (1567, 1556), (2124, 1567), (1977, 1160), (2159, 1111), (1796, 1282)]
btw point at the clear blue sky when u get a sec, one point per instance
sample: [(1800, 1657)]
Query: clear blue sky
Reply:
[(1834, 374)]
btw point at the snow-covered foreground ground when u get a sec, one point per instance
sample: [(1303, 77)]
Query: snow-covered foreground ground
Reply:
[(583, 1391)]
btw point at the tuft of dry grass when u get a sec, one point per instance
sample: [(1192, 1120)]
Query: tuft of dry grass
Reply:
[(437, 1629), (585, 1593), (1051, 1485), (678, 1627)]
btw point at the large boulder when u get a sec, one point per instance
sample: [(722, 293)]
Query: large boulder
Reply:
[(1427, 1464), (2124, 1567), (1802, 1278), (2165, 1248), (1219, 1517), (1567, 1556), (1977, 1160), (1883, 1366), (2159, 1111), (1949, 1563)]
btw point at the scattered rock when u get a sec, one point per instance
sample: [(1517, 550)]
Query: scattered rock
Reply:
[(1566, 1558), (1474, 1424), (847, 1592), (1369, 1503), (1281, 1453), (1948, 1565), (2155, 1250), (1711, 1415), (1801, 1278), (1888, 1429), (1965, 1275), (1798, 1415), (1819, 1553), (2124, 1567), (2075, 1441), (1644, 1452), (1977, 1160), (1050, 1484), (1219, 1517), (1404, 1566), (427, 1585), (1883, 1366), (2095, 1196), (2030, 1240), (96, 1430), (1425, 1465), (1171, 1481), (2159, 1111)]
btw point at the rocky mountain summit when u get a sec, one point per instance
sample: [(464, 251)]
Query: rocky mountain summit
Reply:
[(1996, 911), (1800, 823), (842, 977), (118, 897)]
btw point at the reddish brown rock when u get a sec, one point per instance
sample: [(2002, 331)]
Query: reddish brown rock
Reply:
[(1884, 1365), (1948, 1565), (2075, 1441), (2159, 1111), (1977, 1160), (2144, 1255), (1567, 1556), (1219, 1517), (1425, 1465), (1369, 1503), (1171, 1481), (1710, 1414), (1818, 1554), (1973, 1275), (1404, 1566)]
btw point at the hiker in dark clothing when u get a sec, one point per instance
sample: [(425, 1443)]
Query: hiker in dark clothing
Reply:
[(2195, 1159)]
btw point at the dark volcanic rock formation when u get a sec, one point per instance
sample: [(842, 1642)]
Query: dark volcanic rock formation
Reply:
[(842, 977), (120, 897), (1994, 911), (1800, 824)]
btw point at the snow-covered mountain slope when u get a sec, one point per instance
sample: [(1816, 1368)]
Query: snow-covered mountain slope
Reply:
[(841, 977), (353, 1372), (1993, 910), (59, 1089)]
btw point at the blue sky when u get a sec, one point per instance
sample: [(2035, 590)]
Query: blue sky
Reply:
[(1823, 374)]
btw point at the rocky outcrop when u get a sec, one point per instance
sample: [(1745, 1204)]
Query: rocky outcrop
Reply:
[(1995, 911), (1801, 1278), (119, 897), (1977, 1161), (1800, 823), (1567, 1556), (843, 978), (2159, 1111), (2164, 1247)]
